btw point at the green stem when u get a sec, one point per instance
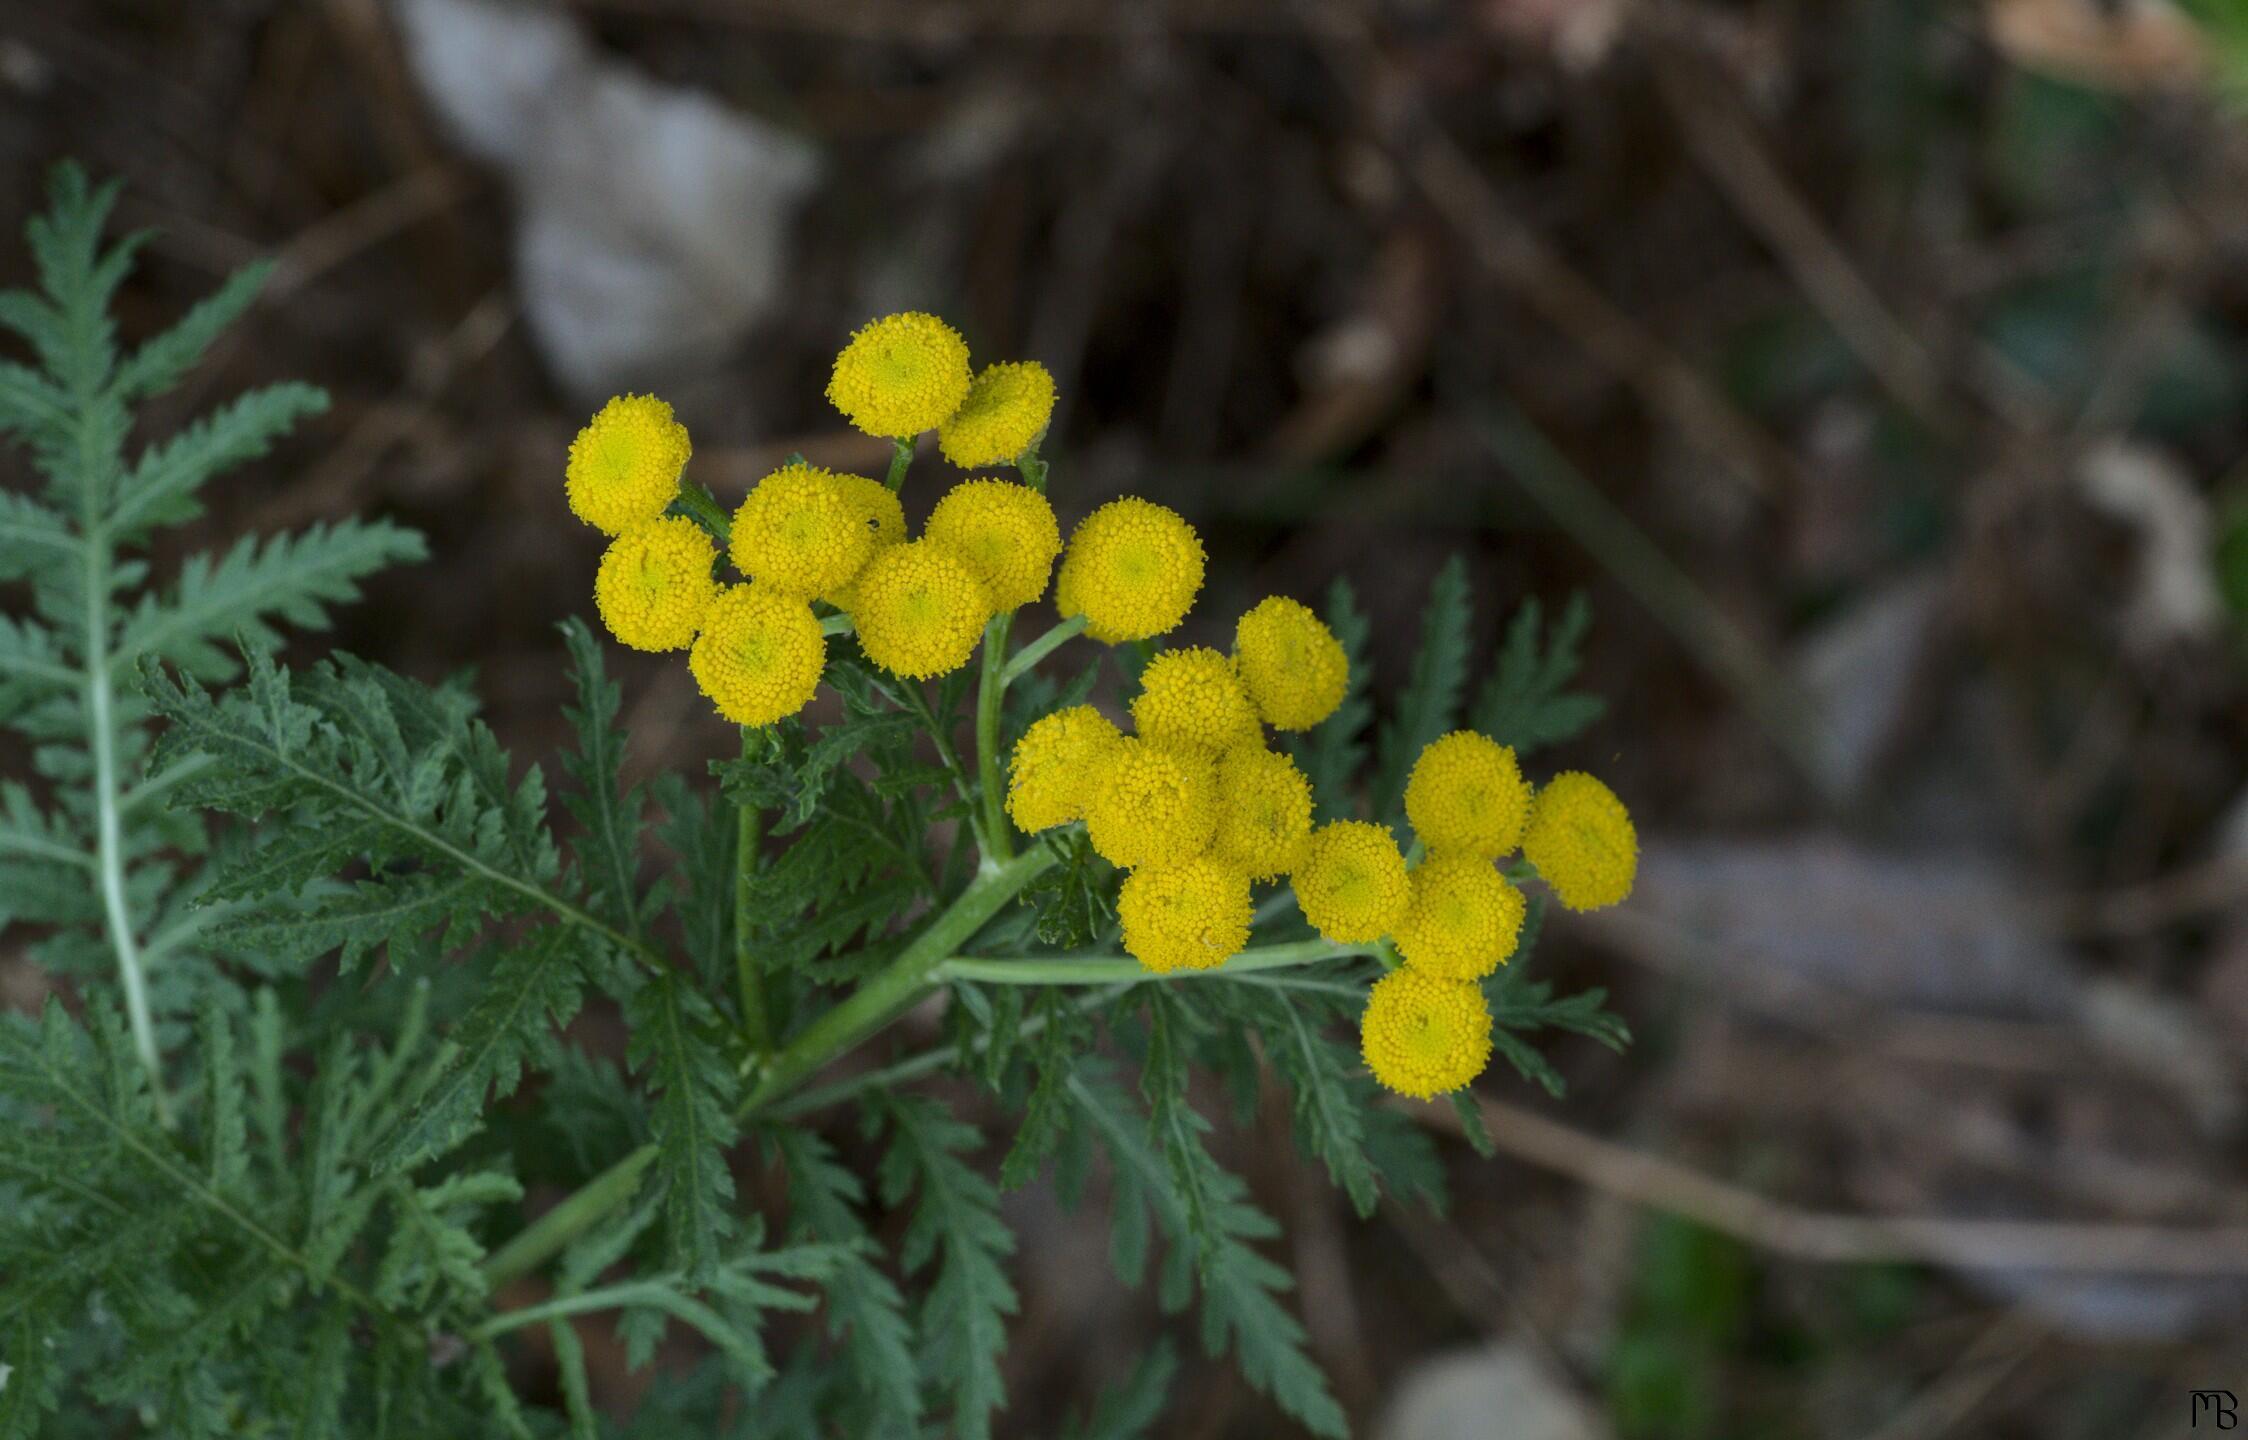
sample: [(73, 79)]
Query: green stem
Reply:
[(998, 835), (610, 1297), (1040, 648), (900, 457), (552, 1232), (1124, 970), (896, 988), (909, 698), (704, 506), (748, 978)]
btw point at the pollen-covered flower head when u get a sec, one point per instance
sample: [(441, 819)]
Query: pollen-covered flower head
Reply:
[(1350, 881), (1192, 698), (625, 464), (1264, 812), (1291, 664), (796, 534), (654, 583), (1007, 408), (875, 508), (1007, 534), (1132, 570), (919, 609), (1193, 915), (1581, 839), (1150, 805), (1463, 918), (759, 656), (900, 375), (1466, 792), (1425, 1036), (1054, 765)]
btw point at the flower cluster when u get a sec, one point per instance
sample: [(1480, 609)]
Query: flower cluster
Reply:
[(1454, 918), (822, 551)]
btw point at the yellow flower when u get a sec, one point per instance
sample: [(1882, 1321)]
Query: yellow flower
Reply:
[(875, 507), (1424, 1036), (1191, 699), (625, 464), (1582, 841), (796, 534), (1007, 408), (919, 610), (1264, 812), (900, 375), (654, 584), (1193, 915), (1006, 533), (1467, 793), (1462, 920), (1132, 570), (1151, 806), (1291, 663), (1350, 881), (760, 655), (1054, 764)]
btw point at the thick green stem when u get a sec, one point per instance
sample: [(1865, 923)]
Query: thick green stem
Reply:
[(998, 835), (1040, 648), (900, 457), (1124, 970), (901, 984), (552, 1232), (749, 978)]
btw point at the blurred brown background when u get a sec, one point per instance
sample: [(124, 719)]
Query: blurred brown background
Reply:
[(1877, 368)]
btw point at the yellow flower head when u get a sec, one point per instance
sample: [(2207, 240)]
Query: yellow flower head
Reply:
[(1467, 793), (1291, 663), (625, 464), (900, 375), (1581, 839), (1264, 812), (1054, 764), (1007, 408), (874, 507), (1424, 1036), (1151, 806), (1191, 699), (1006, 533), (1350, 881), (919, 610), (760, 655), (1132, 570), (1462, 920), (796, 534), (1193, 915), (654, 583)]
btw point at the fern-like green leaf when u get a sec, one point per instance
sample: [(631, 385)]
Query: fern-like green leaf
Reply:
[(1332, 754), (1526, 702), (674, 1042), (1430, 705)]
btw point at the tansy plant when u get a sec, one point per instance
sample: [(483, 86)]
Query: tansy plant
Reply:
[(303, 1140)]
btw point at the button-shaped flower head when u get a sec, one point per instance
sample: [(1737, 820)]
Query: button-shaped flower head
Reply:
[(625, 464), (1192, 699), (1425, 1036), (1007, 408), (1463, 918), (1007, 534), (759, 656), (1350, 881), (1264, 812), (654, 583), (919, 608), (874, 507), (1581, 839), (1151, 806), (1051, 773), (1193, 915), (1291, 664), (1132, 570), (797, 535), (900, 375), (1467, 793)]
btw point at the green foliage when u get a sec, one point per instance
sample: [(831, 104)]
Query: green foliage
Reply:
[(1525, 702), (1430, 704)]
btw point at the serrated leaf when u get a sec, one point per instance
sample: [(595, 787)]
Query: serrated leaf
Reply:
[(696, 1086), (1526, 703), (1332, 754), (1430, 705), (610, 813)]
